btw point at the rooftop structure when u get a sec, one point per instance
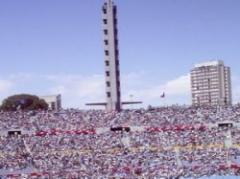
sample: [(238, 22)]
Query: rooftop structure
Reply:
[(209, 63)]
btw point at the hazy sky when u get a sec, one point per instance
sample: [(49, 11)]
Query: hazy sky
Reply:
[(55, 46)]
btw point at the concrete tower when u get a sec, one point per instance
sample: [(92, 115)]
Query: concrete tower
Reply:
[(111, 60), (112, 72)]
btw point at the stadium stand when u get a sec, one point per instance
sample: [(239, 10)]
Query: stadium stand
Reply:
[(168, 142)]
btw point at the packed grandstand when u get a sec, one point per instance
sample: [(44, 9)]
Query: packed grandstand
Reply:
[(167, 142)]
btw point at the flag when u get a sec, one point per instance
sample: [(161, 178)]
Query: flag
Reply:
[(163, 95)]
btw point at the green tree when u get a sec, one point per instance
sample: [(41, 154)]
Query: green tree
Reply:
[(24, 102)]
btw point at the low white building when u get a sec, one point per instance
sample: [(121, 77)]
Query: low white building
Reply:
[(54, 101)]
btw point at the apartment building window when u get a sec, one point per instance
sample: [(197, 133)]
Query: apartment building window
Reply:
[(108, 83), (108, 94)]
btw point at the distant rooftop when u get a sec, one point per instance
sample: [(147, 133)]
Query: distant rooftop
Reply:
[(50, 96), (209, 63)]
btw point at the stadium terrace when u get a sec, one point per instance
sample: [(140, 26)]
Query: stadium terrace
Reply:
[(168, 142)]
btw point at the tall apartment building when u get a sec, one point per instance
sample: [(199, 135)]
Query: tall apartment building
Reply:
[(211, 84), (112, 72)]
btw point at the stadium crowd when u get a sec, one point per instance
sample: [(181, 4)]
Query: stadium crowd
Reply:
[(167, 142)]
